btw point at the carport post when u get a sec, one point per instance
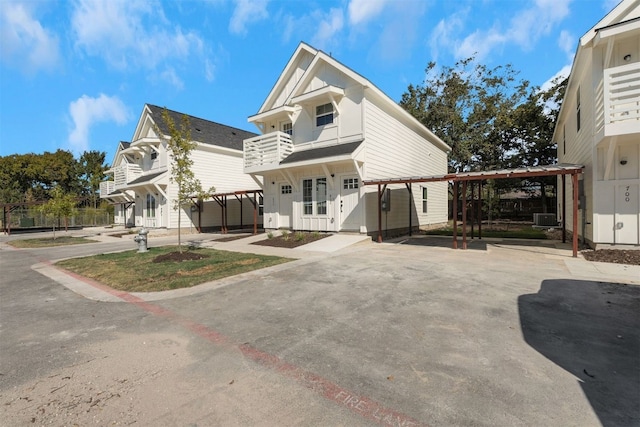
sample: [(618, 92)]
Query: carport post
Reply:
[(574, 181), (255, 213), (480, 210), (456, 184), (464, 214), (379, 214), (564, 208), (408, 185)]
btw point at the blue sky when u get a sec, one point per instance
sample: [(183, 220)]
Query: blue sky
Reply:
[(76, 74)]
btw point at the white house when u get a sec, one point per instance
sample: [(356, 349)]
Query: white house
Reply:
[(599, 127), (324, 129), (142, 190)]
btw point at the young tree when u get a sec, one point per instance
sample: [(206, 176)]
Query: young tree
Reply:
[(180, 147), (61, 205)]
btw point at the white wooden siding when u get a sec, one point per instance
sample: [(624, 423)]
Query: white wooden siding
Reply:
[(393, 150)]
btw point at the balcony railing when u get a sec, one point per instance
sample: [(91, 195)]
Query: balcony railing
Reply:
[(124, 174), (107, 187), (617, 107), (265, 152)]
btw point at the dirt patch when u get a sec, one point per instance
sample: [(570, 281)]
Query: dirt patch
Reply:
[(292, 240), (179, 257), (617, 256), (231, 238)]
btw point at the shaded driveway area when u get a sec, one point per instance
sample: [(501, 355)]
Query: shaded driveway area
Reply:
[(374, 334)]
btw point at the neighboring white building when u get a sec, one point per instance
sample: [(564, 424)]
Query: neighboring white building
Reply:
[(324, 129), (141, 188), (599, 127)]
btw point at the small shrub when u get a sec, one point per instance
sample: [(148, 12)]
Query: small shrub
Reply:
[(285, 234), (299, 236), (270, 235), (315, 234)]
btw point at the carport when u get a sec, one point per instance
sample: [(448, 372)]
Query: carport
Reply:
[(472, 178), (222, 199)]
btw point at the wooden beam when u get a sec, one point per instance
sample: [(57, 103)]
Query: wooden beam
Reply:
[(464, 214), (574, 181), (456, 184)]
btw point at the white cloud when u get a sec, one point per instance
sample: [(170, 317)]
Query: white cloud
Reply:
[(330, 24), (524, 30), (443, 36), (85, 111), (170, 76), (361, 11), (24, 41), (567, 43), (247, 12), (133, 34)]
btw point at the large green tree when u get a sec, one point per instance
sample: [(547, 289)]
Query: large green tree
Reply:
[(92, 170), (469, 107), (31, 177)]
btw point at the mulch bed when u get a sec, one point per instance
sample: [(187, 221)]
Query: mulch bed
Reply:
[(231, 238), (179, 257), (617, 256), (293, 240)]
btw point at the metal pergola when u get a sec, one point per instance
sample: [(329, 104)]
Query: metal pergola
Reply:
[(472, 177), (221, 199)]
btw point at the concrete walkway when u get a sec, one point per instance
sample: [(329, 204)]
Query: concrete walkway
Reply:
[(333, 245)]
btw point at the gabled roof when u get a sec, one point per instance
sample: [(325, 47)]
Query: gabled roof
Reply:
[(204, 131), (321, 153), (320, 58), (146, 179), (626, 10)]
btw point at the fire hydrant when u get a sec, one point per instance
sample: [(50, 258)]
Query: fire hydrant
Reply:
[(141, 238)]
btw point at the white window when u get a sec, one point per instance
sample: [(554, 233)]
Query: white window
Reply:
[(151, 206), (154, 155), (287, 128), (350, 183), (324, 114), (285, 189), (424, 200), (314, 198)]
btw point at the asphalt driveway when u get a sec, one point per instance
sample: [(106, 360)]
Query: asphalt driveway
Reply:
[(374, 334)]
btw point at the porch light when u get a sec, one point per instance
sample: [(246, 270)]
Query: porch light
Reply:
[(627, 57)]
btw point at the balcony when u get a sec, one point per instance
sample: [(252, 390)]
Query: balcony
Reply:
[(265, 152), (617, 105), (106, 187), (122, 175)]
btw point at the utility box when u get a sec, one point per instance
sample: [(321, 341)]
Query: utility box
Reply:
[(385, 202), (545, 220), (27, 222)]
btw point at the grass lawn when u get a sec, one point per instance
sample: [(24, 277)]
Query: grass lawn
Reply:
[(137, 272), (515, 233), (45, 242)]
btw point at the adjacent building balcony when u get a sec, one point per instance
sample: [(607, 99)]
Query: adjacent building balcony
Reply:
[(106, 187), (265, 152), (617, 105), (124, 174)]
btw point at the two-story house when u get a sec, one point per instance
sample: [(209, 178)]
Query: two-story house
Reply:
[(141, 188), (599, 127), (324, 129)]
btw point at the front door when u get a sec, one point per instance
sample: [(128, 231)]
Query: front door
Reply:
[(627, 216), (350, 203), (285, 208)]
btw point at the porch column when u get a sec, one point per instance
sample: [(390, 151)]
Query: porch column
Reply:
[(379, 214)]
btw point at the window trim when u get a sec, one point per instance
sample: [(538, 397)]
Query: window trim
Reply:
[(324, 114), (315, 203), (578, 110)]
